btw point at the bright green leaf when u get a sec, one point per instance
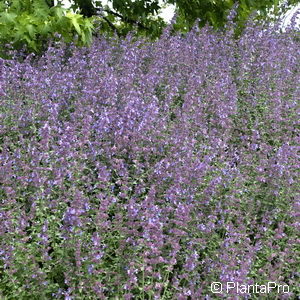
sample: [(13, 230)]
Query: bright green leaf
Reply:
[(74, 20)]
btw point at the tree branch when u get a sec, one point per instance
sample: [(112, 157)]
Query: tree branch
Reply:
[(126, 19), (86, 7), (111, 25), (50, 3)]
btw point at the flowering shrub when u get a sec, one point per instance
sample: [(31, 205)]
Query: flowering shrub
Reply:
[(136, 170)]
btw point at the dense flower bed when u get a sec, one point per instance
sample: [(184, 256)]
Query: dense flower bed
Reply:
[(135, 170)]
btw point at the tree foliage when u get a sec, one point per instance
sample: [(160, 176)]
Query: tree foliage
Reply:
[(215, 12), (32, 23), (142, 14)]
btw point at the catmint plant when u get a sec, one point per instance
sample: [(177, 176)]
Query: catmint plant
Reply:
[(149, 170)]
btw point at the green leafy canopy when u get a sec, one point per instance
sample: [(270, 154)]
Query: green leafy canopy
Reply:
[(31, 23)]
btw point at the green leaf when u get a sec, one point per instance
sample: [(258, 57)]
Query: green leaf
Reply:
[(31, 30), (57, 11), (8, 17), (74, 20), (45, 28)]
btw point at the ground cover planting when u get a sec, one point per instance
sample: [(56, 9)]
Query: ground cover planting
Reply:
[(138, 170)]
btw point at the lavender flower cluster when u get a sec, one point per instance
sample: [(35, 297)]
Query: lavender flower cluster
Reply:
[(149, 170)]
